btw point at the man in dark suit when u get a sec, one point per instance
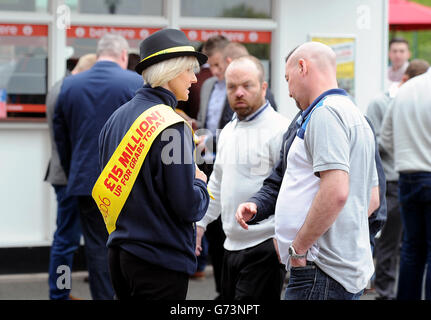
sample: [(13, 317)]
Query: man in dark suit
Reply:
[(85, 103), (68, 232)]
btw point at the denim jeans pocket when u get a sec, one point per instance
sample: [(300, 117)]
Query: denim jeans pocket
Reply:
[(301, 282)]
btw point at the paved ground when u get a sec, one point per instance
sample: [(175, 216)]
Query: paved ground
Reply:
[(35, 287)]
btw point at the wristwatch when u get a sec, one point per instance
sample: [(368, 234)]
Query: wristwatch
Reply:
[(294, 255)]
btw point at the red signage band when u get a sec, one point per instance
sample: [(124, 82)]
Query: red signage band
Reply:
[(37, 108), (243, 36), (96, 32), (23, 30)]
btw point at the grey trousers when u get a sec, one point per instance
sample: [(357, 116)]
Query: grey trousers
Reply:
[(388, 245)]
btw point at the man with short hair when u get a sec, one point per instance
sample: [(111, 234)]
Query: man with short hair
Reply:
[(220, 55), (233, 51), (68, 232), (330, 189), (399, 55), (85, 102), (214, 111), (247, 150)]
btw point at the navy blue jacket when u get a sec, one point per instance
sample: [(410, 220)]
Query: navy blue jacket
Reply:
[(157, 222), (85, 102), (266, 197)]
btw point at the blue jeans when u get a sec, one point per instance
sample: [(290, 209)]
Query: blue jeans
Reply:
[(311, 283), (415, 200), (65, 243), (96, 251)]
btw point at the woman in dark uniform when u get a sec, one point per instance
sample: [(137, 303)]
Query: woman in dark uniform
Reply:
[(152, 237)]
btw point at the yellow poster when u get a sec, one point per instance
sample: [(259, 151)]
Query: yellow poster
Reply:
[(344, 48)]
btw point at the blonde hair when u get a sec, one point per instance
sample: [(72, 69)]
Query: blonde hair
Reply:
[(160, 73)]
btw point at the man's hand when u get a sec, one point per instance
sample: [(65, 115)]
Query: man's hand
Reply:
[(200, 175), (199, 234), (245, 212)]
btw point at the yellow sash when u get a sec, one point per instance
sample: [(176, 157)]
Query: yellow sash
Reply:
[(114, 184)]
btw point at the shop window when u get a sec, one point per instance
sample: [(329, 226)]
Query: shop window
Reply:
[(257, 9), (24, 5), (23, 68), (129, 7)]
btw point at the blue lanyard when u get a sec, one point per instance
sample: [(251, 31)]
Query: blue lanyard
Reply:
[(304, 118)]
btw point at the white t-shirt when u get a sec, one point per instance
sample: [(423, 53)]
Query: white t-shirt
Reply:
[(337, 137), (247, 151), (406, 128)]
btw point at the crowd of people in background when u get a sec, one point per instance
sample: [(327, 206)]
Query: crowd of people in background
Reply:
[(402, 120), (333, 202)]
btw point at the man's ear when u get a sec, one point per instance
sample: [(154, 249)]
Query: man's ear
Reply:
[(264, 88), (303, 68)]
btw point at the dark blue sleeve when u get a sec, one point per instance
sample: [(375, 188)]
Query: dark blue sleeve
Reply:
[(61, 135), (378, 217), (188, 197)]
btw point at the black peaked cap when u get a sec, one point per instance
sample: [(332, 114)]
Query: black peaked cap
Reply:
[(166, 44)]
